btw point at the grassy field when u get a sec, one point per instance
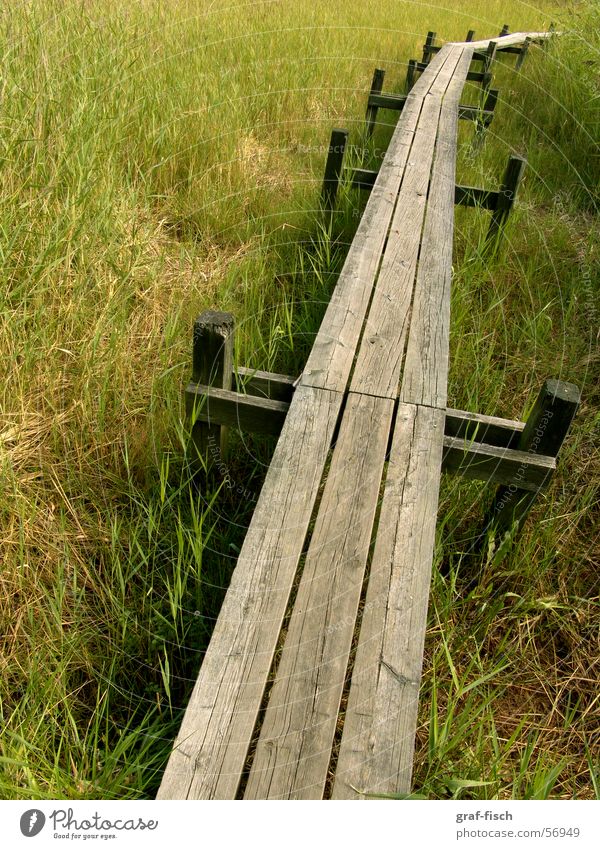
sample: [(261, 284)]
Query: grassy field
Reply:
[(160, 159)]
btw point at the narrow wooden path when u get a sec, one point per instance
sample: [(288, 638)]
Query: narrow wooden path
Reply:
[(332, 582)]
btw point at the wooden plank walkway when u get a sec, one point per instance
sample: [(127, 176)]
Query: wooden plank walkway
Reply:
[(343, 556)]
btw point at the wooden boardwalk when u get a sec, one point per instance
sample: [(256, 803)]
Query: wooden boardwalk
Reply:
[(332, 582)]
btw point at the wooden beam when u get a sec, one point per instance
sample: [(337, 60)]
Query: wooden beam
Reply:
[(260, 387), (427, 46), (212, 359), (415, 67), (471, 196), (266, 384), (544, 433), (376, 89), (387, 101), (364, 178), (474, 113), (333, 168), (522, 54), (490, 430), (294, 748), (410, 74), (377, 745), (208, 757), (497, 465), (397, 101), (244, 412), (425, 371), (506, 197), (494, 463)]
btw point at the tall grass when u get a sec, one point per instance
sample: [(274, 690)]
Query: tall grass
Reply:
[(159, 159)]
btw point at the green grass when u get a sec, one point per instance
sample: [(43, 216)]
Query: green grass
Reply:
[(155, 162)]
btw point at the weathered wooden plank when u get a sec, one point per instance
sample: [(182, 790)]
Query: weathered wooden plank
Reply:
[(213, 742), (387, 101), (268, 384), (474, 113), (330, 360), (212, 357), (546, 428), (333, 168), (489, 463), (294, 748), (515, 38), (381, 351), (243, 412), (473, 196), (363, 178), (376, 89), (507, 195), (377, 744), (425, 377), (491, 430)]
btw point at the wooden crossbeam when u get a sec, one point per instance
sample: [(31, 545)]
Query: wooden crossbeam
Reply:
[(475, 446), (397, 101), (364, 178), (488, 463), (500, 202), (474, 76), (232, 409)]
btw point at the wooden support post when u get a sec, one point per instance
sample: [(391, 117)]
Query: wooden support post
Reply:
[(376, 88), (506, 196), (470, 35), (486, 80), (410, 74), (333, 169), (522, 54), (504, 31), (487, 113), (491, 99), (546, 42), (544, 433), (428, 44), (212, 363)]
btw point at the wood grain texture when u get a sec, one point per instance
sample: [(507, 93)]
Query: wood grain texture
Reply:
[(380, 356), (477, 461), (491, 430), (265, 384), (332, 355), (294, 748), (243, 412), (515, 38), (213, 742), (377, 743), (425, 376)]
